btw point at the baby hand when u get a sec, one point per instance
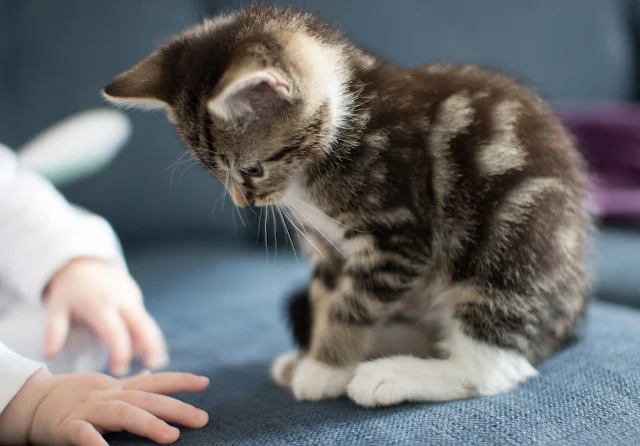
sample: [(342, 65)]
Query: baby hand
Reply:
[(106, 298), (76, 409)]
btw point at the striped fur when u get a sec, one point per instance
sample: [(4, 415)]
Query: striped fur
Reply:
[(443, 208)]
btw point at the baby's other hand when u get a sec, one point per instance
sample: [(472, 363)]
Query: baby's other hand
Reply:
[(106, 298)]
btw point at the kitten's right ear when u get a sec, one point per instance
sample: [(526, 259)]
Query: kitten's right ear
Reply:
[(143, 86)]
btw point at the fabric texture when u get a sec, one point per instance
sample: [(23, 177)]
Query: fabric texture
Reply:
[(221, 310)]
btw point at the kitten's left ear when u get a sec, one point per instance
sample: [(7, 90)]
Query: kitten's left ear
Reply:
[(143, 86), (250, 90)]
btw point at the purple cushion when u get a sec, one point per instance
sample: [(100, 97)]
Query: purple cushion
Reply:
[(608, 135)]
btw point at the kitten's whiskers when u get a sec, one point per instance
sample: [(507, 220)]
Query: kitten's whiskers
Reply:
[(284, 223), (226, 188), (266, 237), (259, 225), (325, 215), (180, 161), (316, 227), (194, 162), (238, 210), (302, 233), (215, 206), (177, 162), (275, 233)]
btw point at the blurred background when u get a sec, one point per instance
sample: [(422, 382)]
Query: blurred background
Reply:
[(55, 56)]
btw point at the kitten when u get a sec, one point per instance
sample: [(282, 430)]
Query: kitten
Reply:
[(444, 208)]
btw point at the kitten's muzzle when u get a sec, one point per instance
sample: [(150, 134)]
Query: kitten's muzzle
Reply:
[(240, 199)]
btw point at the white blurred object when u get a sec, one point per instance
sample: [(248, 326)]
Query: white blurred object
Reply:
[(78, 146)]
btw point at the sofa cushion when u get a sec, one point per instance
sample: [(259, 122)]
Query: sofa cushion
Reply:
[(221, 306)]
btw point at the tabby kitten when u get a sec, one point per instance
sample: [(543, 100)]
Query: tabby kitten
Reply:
[(444, 207)]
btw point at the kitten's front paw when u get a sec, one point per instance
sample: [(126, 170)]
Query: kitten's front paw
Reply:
[(314, 380), (379, 383), (283, 367)]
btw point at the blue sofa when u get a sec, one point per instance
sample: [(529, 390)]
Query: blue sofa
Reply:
[(219, 297)]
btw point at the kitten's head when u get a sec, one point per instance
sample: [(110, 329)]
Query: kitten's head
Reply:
[(257, 96)]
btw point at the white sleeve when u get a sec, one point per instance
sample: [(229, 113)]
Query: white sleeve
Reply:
[(15, 370), (40, 231)]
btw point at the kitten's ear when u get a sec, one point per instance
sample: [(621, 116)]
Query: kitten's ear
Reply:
[(143, 86), (249, 90)]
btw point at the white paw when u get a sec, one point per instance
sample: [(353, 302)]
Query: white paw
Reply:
[(283, 367), (313, 380), (379, 383)]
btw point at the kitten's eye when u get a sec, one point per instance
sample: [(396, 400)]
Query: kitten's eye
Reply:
[(254, 170)]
